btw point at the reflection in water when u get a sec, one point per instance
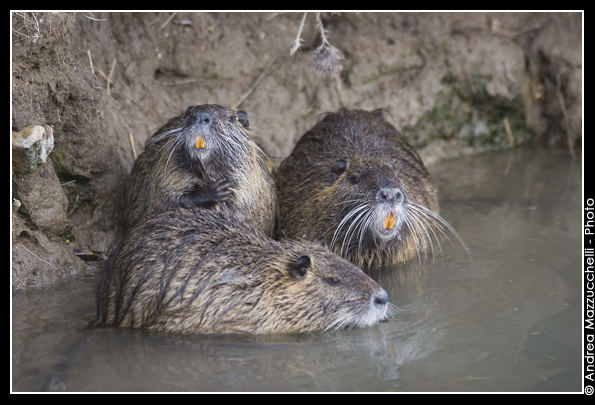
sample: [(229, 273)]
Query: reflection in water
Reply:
[(506, 317)]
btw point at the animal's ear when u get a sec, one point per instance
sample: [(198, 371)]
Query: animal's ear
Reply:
[(299, 268), (243, 118), (339, 167)]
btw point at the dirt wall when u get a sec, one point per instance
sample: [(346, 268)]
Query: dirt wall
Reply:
[(454, 83)]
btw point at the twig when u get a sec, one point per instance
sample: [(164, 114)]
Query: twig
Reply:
[(322, 30), (130, 98), (569, 139), (508, 131), (131, 139), (33, 254), (182, 82), (24, 16), (109, 77), (91, 62), (101, 73), (93, 18), (168, 20), (256, 83), (106, 77), (26, 36), (74, 205), (340, 90), (68, 182), (35, 36), (273, 15), (298, 39)]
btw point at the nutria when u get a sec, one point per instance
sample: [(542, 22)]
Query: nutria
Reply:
[(203, 271), (353, 182), (206, 158)]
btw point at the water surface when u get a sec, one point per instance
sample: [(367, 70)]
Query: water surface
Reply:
[(505, 318)]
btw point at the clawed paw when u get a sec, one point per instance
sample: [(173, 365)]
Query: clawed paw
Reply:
[(208, 195), (218, 191)]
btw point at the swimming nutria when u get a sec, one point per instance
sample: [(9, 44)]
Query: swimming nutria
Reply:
[(204, 157), (354, 183), (203, 271)]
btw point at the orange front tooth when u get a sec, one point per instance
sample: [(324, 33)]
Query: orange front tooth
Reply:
[(199, 142), (389, 221)]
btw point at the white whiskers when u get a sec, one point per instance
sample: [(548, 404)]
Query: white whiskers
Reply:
[(421, 230)]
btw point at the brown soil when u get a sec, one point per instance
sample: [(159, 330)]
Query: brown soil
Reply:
[(525, 68)]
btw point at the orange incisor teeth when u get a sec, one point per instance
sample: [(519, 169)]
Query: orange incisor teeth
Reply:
[(389, 221), (199, 142)]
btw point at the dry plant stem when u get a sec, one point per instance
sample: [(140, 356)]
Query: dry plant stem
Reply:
[(508, 131), (256, 83), (91, 62), (109, 77), (74, 205), (167, 21), (132, 148), (33, 254), (16, 204), (569, 138), (298, 39), (14, 30), (340, 90), (101, 73), (322, 31), (90, 17)]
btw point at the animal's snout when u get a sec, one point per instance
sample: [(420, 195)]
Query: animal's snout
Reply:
[(380, 299), (390, 195), (203, 118)]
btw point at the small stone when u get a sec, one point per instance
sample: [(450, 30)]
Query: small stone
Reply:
[(44, 197), (30, 147)]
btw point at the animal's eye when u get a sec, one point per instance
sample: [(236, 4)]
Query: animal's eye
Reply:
[(353, 179), (332, 280), (242, 117), (339, 167), (231, 118)]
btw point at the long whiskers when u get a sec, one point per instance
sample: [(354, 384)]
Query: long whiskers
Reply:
[(440, 223), (412, 231), (176, 141), (158, 137), (421, 228), (345, 219), (392, 310), (348, 234)]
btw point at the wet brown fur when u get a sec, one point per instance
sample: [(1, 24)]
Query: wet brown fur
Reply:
[(160, 178), (201, 271), (313, 201)]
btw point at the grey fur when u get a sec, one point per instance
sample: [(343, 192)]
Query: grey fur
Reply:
[(202, 271), (171, 166), (320, 203)]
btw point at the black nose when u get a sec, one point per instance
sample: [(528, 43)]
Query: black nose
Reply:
[(203, 118), (380, 299), (390, 195)]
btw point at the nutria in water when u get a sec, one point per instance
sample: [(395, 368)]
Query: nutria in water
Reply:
[(198, 270), (353, 183)]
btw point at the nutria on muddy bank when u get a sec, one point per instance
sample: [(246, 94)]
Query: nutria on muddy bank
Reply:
[(204, 157)]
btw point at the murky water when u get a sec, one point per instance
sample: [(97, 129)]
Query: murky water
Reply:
[(507, 318)]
